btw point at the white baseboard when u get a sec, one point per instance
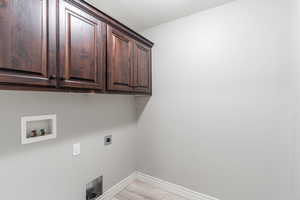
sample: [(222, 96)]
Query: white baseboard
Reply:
[(170, 187)]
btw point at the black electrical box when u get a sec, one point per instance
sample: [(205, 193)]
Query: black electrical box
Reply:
[(94, 189)]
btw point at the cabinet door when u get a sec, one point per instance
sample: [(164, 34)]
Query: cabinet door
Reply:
[(82, 49), (120, 61), (24, 42), (142, 68)]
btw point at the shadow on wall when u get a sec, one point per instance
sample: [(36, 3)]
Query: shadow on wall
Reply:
[(78, 115), (141, 103)]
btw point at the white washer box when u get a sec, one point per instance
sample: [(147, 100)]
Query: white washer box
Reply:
[(38, 123)]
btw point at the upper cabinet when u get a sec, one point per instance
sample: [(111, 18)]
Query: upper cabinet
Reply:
[(82, 49), (128, 63), (142, 68), (26, 36), (119, 61), (69, 45)]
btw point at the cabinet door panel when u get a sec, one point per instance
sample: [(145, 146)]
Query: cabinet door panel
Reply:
[(142, 68), (83, 49), (120, 57), (24, 41)]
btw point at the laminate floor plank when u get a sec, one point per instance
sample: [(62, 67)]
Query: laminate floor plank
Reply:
[(139, 190)]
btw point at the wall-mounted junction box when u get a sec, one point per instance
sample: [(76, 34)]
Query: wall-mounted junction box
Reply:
[(94, 189), (108, 140)]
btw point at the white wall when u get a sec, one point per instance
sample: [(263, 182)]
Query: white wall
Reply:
[(296, 69), (220, 119), (48, 170)]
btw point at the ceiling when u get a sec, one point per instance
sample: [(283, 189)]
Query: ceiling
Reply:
[(143, 14)]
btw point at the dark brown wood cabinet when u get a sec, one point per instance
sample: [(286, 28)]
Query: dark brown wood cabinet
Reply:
[(142, 68), (119, 61), (69, 45), (82, 49), (128, 63), (26, 38)]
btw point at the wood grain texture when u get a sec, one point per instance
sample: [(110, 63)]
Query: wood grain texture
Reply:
[(82, 49), (111, 21), (24, 42), (65, 45), (139, 190), (119, 60), (142, 68)]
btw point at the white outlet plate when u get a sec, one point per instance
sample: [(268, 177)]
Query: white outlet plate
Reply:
[(76, 149)]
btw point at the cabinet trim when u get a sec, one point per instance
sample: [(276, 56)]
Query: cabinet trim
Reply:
[(117, 85), (48, 62), (36, 74), (111, 21), (97, 61)]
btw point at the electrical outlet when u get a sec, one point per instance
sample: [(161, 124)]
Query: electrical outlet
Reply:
[(76, 149), (107, 140)]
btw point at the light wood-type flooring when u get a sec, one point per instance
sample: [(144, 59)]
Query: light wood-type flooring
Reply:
[(142, 191)]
